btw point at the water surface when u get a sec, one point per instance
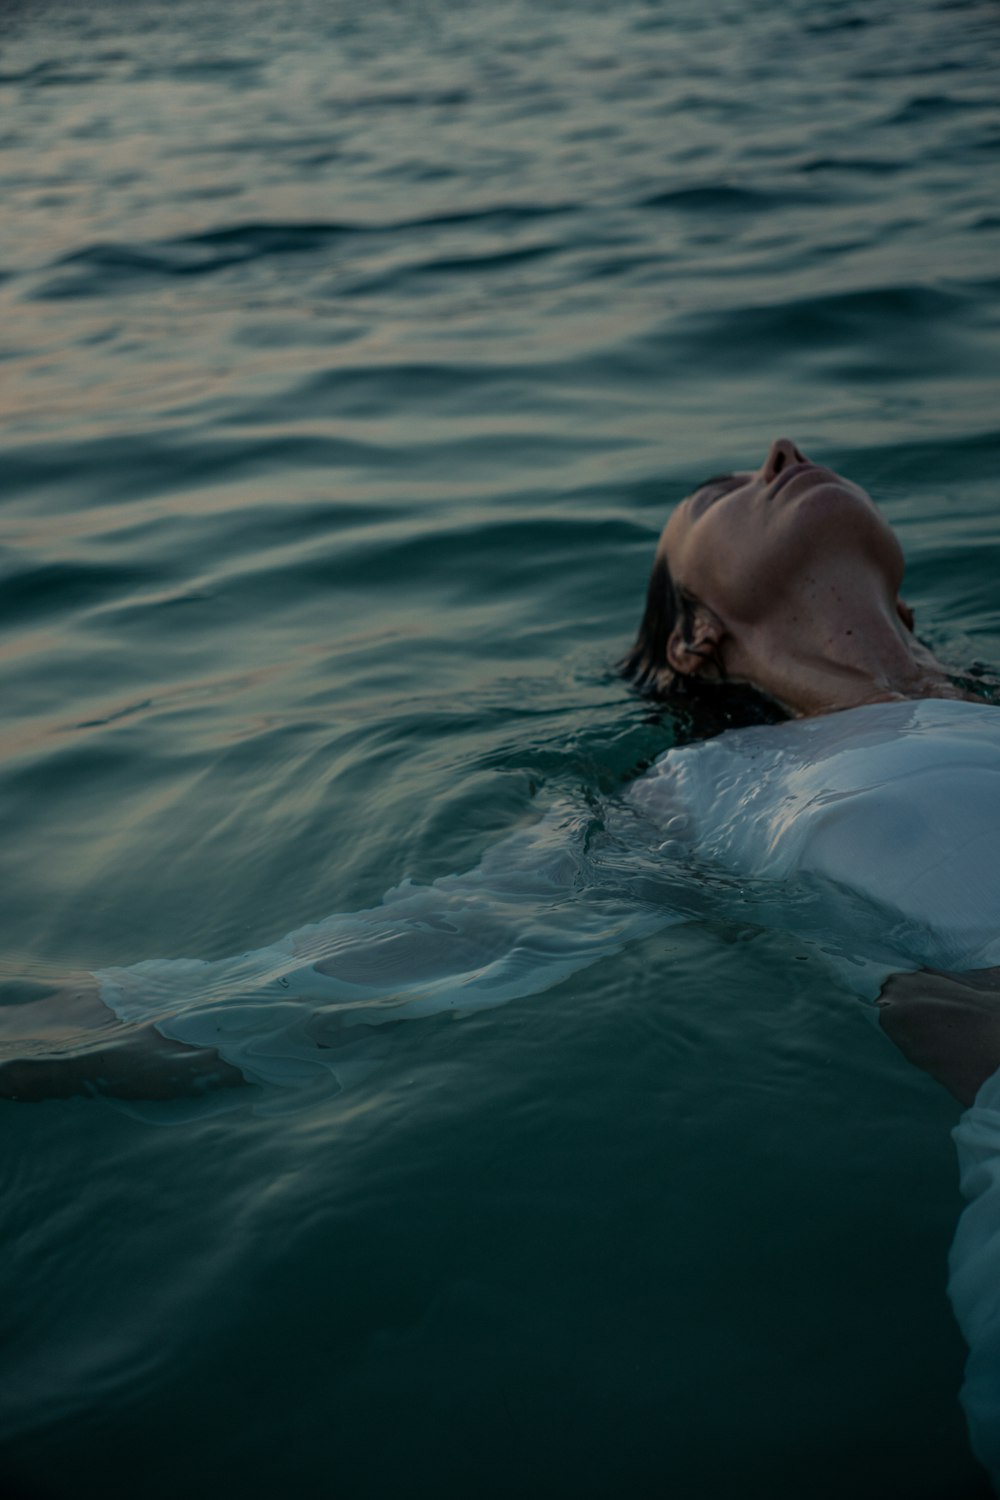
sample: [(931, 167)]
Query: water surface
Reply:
[(353, 356)]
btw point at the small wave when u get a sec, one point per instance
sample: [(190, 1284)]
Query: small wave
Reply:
[(126, 468), (874, 166), (196, 69), (722, 197), (932, 107), (50, 75), (420, 271), (380, 99), (366, 390), (114, 266), (51, 588), (872, 315), (853, 22)]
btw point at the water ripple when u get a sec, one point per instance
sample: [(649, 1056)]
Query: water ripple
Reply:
[(353, 359)]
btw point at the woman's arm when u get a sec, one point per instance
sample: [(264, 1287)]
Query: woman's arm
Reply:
[(68, 1043)]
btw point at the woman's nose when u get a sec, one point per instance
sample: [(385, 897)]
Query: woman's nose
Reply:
[(780, 453)]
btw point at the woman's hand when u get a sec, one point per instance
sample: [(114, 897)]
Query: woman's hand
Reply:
[(946, 1024)]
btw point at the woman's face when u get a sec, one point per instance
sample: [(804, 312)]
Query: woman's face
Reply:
[(743, 544)]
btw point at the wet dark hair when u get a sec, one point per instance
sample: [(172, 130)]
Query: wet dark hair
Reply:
[(666, 605), (646, 664), (713, 700)]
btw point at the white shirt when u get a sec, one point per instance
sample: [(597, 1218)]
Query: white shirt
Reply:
[(891, 810)]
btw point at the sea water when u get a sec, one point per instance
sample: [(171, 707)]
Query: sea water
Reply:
[(353, 356)]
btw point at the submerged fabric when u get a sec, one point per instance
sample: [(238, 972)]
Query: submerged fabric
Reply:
[(279, 1013), (974, 1266), (874, 832), (897, 804)]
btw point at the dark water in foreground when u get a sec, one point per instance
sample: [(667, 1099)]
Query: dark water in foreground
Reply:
[(352, 358)]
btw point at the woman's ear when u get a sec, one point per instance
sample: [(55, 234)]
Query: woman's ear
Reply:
[(905, 613), (693, 645)]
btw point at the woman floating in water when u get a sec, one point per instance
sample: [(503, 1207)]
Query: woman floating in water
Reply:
[(788, 578), (868, 821)]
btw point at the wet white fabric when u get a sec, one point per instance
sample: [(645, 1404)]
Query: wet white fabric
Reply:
[(974, 1265), (876, 832), (538, 908), (897, 804)]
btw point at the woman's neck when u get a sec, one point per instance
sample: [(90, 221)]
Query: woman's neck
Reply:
[(817, 662)]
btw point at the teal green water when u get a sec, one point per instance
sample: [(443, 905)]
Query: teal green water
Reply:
[(353, 357)]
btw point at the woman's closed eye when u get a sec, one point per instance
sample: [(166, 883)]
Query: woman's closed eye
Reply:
[(713, 489)]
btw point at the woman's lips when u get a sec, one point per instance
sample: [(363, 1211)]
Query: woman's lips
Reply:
[(792, 472)]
